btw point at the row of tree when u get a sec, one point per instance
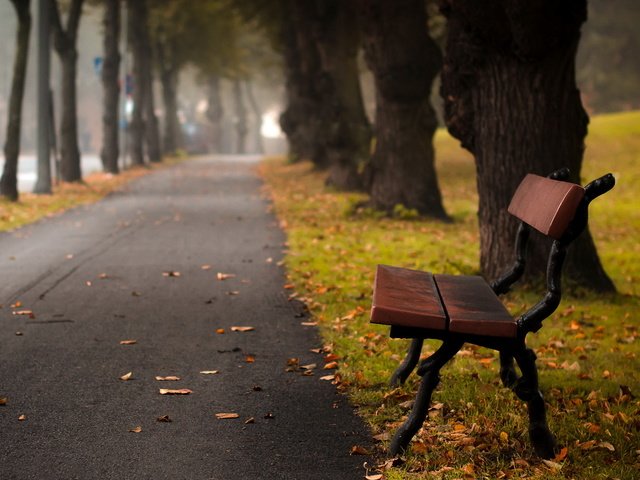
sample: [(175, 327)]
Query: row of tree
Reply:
[(164, 38), (508, 84)]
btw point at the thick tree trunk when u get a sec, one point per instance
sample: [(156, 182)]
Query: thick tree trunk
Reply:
[(111, 88), (347, 130), (172, 139), (257, 114), (65, 44), (69, 152), (511, 98), (151, 128), (240, 120), (300, 121), (404, 61), (9, 181), (136, 125), (215, 113)]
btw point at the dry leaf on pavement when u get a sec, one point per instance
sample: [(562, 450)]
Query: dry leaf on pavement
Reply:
[(242, 329), (164, 418), (22, 418), (179, 391), (224, 276), (225, 416), (358, 450), (209, 372), (126, 376), (137, 429), (171, 274), (128, 342), (170, 378)]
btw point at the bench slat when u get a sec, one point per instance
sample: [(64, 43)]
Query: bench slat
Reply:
[(473, 308), (545, 204), (406, 298)]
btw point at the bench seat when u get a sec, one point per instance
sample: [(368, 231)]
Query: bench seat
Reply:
[(463, 304)]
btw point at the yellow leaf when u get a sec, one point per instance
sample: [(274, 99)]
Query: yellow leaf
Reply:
[(224, 276), (209, 372), (170, 378), (331, 366), (249, 358), (242, 329), (225, 416), (126, 376), (607, 445), (220, 331), (137, 429), (180, 391), (22, 418), (504, 437), (128, 342)]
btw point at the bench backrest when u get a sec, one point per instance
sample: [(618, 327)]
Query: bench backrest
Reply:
[(545, 204)]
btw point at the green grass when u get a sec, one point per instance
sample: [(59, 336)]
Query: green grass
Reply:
[(586, 351)]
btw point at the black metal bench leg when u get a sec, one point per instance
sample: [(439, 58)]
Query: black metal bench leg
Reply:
[(429, 370), (507, 370), (526, 389), (408, 364)]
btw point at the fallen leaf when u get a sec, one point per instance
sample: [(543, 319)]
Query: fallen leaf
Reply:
[(102, 276), (328, 377), (242, 329), (164, 418), (22, 418), (136, 294), (233, 292), (269, 416), (607, 445), (128, 342), (249, 358), (224, 276), (180, 391), (309, 366), (170, 378), (209, 372), (358, 450), (19, 334), (126, 376), (24, 312), (562, 454), (4, 400), (220, 331), (376, 476), (137, 429), (330, 366), (552, 465), (171, 274), (18, 304), (249, 420), (88, 283), (225, 416), (206, 267), (289, 286), (308, 324)]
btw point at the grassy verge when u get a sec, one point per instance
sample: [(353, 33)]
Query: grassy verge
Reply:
[(31, 208), (587, 352)]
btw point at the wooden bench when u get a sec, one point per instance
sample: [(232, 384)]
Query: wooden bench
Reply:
[(459, 309)]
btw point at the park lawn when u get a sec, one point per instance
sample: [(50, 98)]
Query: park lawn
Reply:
[(588, 351)]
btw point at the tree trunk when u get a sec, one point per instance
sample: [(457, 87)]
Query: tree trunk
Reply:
[(404, 61), (241, 118), (300, 121), (511, 98), (9, 181), (257, 113), (347, 130), (215, 113), (65, 44), (151, 128), (172, 140), (111, 88), (136, 125)]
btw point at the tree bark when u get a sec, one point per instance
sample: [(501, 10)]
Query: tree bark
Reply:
[(172, 140), (257, 113), (404, 61), (344, 122), (151, 128), (240, 118), (65, 44), (9, 180), (300, 121), (215, 113), (136, 23), (111, 88), (511, 98)]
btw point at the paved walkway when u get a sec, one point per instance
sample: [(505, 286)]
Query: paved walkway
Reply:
[(96, 276)]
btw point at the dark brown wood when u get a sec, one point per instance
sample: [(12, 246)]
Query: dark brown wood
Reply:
[(406, 298), (473, 308), (547, 205)]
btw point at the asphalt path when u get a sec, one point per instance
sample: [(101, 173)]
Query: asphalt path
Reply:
[(143, 265)]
